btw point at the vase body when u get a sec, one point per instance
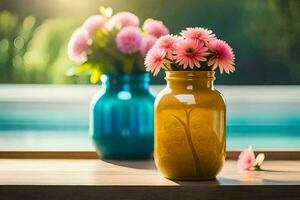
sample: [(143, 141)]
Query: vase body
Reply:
[(121, 118), (190, 127)]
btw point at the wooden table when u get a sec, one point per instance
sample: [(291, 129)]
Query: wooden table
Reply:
[(95, 179)]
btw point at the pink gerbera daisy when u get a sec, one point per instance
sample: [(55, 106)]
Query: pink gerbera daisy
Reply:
[(167, 43), (190, 53), (155, 59), (129, 40), (246, 159), (222, 56), (93, 23), (155, 28), (123, 19), (147, 43), (198, 34), (78, 45)]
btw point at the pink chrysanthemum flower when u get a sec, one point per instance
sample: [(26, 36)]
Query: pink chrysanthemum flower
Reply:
[(155, 28), (93, 23), (167, 43), (222, 56), (198, 34), (190, 53), (147, 43), (246, 159), (123, 19), (154, 60), (78, 45), (129, 40)]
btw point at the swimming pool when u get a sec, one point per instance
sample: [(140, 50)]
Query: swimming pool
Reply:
[(56, 117)]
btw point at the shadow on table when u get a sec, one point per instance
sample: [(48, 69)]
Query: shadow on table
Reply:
[(217, 181), (282, 171), (136, 164), (228, 181)]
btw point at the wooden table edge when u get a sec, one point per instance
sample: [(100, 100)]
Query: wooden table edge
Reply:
[(250, 192), (230, 155)]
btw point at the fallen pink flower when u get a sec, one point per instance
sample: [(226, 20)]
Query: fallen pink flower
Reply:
[(246, 159)]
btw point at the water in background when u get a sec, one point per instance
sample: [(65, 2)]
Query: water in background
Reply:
[(56, 117)]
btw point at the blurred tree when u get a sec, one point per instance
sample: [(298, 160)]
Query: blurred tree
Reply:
[(276, 35), (15, 34), (46, 60), (263, 33), (35, 53)]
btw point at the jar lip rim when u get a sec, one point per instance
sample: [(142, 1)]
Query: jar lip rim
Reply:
[(190, 74), (137, 77)]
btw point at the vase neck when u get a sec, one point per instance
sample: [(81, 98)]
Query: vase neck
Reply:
[(190, 80), (125, 82)]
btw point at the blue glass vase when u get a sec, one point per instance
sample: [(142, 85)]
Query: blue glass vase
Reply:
[(121, 117)]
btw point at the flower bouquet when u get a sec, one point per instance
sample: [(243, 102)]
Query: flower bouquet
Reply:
[(121, 114), (196, 49), (190, 115), (107, 44)]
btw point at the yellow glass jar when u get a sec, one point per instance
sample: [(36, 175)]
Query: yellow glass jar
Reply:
[(190, 127)]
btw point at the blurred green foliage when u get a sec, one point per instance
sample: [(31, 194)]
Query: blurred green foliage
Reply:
[(15, 36), (277, 36), (32, 52), (263, 33), (46, 59)]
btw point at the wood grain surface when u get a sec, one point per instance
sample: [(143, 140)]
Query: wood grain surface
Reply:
[(96, 179), (98, 172)]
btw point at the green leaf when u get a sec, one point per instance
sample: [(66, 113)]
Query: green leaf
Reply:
[(128, 64), (101, 37), (83, 68), (95, 76)]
